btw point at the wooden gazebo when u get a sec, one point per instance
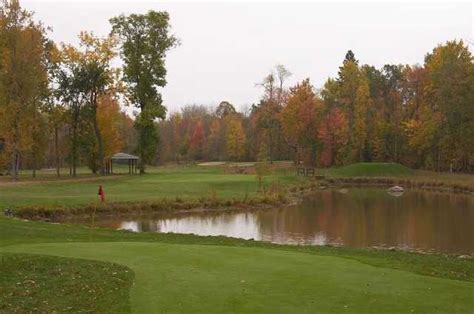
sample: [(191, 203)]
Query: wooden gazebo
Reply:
[(122, 157)]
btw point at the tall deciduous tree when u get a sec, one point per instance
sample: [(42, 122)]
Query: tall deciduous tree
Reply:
[(450, 91), (235, 138), (265, 114), (334, 136), (300, 120), (85, 75), (23, 80), (145, 39), (108, 121), (361, 106)]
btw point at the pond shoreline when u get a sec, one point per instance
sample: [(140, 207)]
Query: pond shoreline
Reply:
[(59, 214), (167, 208), (288, 197)]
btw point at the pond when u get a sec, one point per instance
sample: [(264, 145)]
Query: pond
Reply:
[(416, 220)]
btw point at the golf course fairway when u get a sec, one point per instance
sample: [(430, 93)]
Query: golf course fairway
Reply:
[(194, 278)]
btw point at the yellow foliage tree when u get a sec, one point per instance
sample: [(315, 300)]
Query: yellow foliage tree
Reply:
[(361, 105), (23, 80), (108, 117), (235, 138)]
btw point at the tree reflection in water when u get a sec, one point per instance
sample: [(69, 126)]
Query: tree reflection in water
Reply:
[(359, 218)]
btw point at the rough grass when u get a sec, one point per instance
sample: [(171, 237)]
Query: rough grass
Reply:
[(47, 284)]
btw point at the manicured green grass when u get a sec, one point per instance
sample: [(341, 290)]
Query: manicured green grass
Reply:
[(216, 279), (52, 284), (186, 273), (183, 182), (370, 169)]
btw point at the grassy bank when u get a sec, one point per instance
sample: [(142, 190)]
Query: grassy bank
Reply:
[(172, 272)]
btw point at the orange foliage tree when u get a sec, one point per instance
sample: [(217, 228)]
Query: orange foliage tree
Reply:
[(300, 119)]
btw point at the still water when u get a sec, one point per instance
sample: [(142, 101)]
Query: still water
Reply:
[(416, 220)]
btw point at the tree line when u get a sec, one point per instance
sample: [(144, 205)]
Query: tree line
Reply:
[(418, 115), (60, 104)]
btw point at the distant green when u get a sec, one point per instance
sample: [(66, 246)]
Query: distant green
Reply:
[(370, 169)]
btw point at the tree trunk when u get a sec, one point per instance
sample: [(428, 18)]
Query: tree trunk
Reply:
[(439, 160), (270, 146), (98, 136), (100, 144), (74, 148), (15, 166), (141, 163), (56, 150), (34, 165)]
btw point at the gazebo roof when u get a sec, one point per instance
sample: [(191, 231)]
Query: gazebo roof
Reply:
[(124, 156)]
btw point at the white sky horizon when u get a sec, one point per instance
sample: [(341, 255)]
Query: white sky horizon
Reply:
[(228, 47)]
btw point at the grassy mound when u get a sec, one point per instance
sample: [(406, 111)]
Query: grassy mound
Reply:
[(372, 169), (35, 283)]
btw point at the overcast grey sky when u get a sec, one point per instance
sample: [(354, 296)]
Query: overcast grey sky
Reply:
[(228, 47)]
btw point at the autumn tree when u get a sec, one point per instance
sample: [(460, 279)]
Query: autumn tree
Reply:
[(300, 120), (216, 140), (56, 114), (108, 120), (392, 114), (334, 136), (265, 114), (450, 92), (360, 132), (23, 80), (85, 75), (197, 139), (348, 80), (145, 39), (224, 109), (235, 138)]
